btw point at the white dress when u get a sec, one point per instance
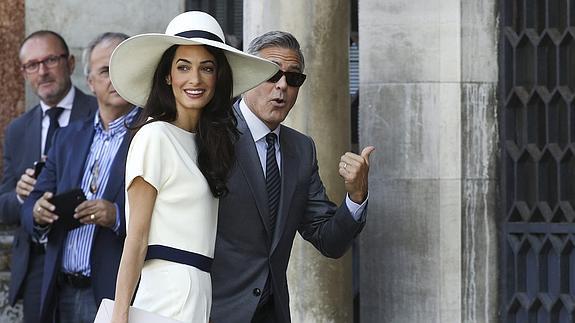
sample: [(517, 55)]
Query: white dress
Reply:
[(184, 217)]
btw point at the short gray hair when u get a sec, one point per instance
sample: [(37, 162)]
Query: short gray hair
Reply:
[(276, 38), (105, 37)]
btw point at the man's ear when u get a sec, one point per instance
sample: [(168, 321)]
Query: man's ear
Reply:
[(71, 61), (90, 84)]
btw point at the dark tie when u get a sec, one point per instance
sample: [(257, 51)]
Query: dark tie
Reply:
[(53, 114), (273, 180), (273, 185)]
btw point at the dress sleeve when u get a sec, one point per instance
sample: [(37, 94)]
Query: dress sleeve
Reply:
[(146, 157)]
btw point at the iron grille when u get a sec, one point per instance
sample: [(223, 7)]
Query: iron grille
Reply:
[(537, 87)]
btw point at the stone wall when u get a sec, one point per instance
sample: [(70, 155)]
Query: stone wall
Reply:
[(80, 21)]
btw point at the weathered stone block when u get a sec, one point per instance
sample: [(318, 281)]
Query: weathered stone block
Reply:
[(416, 128), (410, 260)]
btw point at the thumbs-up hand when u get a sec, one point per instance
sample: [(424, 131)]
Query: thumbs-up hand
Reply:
[(354, 169)]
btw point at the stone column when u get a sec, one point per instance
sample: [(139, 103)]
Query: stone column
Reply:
[(428, 78), (11, 105), (480, 151), (320, 288), (410, 265)]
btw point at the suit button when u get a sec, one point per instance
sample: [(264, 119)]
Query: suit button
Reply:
[(257, 292)]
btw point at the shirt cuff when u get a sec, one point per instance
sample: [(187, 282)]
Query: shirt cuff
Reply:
[(19, 199), (356, 210), (116, 226)]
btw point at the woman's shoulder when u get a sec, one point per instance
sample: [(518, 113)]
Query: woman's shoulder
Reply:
[(153, 128), (155, 131), (155, 125)]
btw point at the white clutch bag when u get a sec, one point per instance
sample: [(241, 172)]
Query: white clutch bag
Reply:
[(136, 315)]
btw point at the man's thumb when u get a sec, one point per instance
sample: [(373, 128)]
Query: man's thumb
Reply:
[(366, 152)]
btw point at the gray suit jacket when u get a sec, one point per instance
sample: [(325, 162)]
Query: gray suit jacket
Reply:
[(21, 149), (245, 253)]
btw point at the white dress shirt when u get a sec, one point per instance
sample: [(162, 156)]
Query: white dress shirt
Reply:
[(64, 118)]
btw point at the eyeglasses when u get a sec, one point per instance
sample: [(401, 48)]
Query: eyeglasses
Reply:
[(49, 62), (294, 79)]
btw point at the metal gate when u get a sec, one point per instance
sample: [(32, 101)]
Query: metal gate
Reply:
[(537, 87)]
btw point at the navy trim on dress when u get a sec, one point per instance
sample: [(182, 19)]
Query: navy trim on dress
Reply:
[(180, 256)]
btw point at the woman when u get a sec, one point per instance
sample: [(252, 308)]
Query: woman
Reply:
[(178, 160)]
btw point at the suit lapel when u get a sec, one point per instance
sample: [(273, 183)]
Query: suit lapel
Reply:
[(81, 107), (289, 166), (33, 141), (117, 169), (81, 144), (249, 163)]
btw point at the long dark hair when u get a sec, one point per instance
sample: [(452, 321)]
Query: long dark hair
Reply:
[(216, 132)]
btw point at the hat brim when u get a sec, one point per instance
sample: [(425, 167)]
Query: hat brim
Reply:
[(134, 62)]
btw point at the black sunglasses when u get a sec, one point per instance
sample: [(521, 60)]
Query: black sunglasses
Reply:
[(294, 79)]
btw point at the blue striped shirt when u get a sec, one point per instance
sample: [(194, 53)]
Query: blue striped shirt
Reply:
[(105, 145)]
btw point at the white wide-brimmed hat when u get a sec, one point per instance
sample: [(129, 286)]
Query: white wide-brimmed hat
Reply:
[(134, 61)]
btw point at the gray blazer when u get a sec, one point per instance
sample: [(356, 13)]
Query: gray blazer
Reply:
[(244, 253)]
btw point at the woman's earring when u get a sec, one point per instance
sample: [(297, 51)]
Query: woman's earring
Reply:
[(168, 81)]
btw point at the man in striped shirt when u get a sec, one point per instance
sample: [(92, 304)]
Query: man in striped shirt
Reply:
[(82, 260)]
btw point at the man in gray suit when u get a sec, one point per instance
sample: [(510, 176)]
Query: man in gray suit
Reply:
[(274, 191), (46, 66)]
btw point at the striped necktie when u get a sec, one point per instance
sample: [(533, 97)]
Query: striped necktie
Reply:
[(273, 186), (273, 180)]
